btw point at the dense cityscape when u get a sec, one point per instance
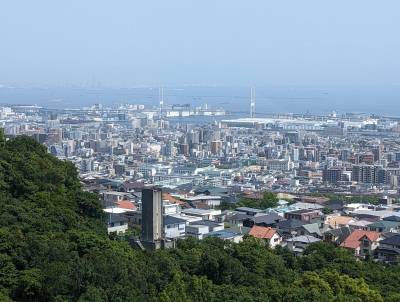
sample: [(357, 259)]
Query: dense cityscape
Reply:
[(291, 180)]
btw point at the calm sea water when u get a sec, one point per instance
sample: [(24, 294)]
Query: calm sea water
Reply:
[(268, 99)]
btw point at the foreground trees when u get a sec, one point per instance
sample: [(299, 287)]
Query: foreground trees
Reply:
[(54, 247)]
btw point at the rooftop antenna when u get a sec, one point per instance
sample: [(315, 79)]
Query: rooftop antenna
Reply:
[(252, 102)]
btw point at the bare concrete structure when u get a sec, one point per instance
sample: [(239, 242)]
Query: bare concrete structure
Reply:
[(152, 218)]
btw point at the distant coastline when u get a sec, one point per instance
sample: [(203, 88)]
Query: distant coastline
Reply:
[(370, 100)]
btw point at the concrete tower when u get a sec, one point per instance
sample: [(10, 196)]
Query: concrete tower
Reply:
[(152, 218)]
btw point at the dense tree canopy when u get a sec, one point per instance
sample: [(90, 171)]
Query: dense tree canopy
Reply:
[(54, 247), (268, 200)]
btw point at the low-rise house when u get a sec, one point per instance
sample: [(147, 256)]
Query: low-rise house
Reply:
[(384, 226), (299, 243), (212, 225), (350, 207), (126, 204), (249, 211), (307, 206), (109, 198), (188, 218), (171, 208), (116, 223), (239, 230), (226, 235), (356, 224), (266, 220), (308, 216), (363, 243), (373, 215), (203, 213), (289, 228), (337, 236), (392, 218), (210, 201), (197, 231), (131, 186), (270, 235), (174, 227), (337, 221), (389, 249), (313, 229)]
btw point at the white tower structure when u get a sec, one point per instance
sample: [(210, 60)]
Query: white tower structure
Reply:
[(161, 97), (252, 102)]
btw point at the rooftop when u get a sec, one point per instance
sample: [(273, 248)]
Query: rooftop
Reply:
[(262, 232)]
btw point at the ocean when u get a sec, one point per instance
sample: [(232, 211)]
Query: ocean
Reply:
[(315, 100)]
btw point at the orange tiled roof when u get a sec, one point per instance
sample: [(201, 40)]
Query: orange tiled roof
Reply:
[(262, 232), (169, 198), (353, 240), (126, 204)]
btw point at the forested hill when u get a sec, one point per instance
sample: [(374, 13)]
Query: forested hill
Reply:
[(54, 247)]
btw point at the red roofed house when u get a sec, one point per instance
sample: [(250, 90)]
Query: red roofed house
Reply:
[(363, 243), (270, 235), (126, 204)]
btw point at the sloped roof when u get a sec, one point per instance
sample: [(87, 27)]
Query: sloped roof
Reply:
[(290, 224), (312, 228), (392, 218), (342, 233), (126, 204), (353, 240), (169, 220), (393, 240), (167, 197), (262, 232), (335, 221), (384, 224), (267, 218), (304, 239)]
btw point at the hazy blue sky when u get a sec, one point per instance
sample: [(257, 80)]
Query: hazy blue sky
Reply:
[(202, 42)]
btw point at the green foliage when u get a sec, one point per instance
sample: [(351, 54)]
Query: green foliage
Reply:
[(54, 247), (372, 199), (269, 200)]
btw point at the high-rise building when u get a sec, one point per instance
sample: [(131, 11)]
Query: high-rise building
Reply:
[(295, 154), (152, 218), (216, 147), (332, 175), (366, 173)]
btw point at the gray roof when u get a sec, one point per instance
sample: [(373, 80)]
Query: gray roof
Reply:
[(392, 218), (393, 240), (240, 230), (312, 228), (290, 224), (384, 224), (223, 234), (304, 239), (207, 223), (169, 220), (267, 218), (247, 209), (342, 233)]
